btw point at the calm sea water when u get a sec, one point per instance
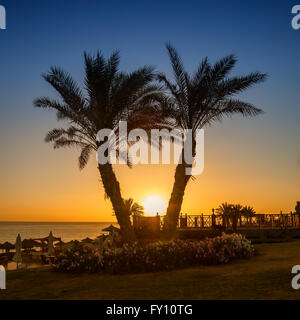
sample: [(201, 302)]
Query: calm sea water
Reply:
[(66, 230)]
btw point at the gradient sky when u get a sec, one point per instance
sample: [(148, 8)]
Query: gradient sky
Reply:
[(250, 161)]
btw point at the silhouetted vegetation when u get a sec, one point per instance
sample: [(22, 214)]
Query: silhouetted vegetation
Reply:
[(112, 96)]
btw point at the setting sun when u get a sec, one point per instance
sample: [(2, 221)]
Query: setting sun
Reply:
[(154, 204)]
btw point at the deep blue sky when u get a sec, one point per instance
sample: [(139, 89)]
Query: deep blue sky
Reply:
[(44, 33)]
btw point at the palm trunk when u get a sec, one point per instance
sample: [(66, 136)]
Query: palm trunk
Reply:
[(112, 189), (175, 202)]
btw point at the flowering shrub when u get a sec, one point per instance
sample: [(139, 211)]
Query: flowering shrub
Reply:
[(157, 256)]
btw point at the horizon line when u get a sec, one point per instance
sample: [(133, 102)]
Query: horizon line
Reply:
[(20, 221)]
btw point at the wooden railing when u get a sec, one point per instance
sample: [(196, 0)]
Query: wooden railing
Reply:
[(151, 225), (282, 220)]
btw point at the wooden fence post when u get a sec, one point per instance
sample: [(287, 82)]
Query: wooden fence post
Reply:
[(213, 219), (292, 218)]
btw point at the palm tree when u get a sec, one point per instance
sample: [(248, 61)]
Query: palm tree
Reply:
[(199, 100), (133, 208), (110, 96), (297, 208), (225, 209), (235, 215), (230, 212), (248, 212)]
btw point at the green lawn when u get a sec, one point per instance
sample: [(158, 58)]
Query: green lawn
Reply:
[(265, 276)]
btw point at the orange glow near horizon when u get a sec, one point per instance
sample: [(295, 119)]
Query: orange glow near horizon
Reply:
[(39, 184)]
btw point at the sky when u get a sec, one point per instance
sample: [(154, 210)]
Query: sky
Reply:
[(249, 161)]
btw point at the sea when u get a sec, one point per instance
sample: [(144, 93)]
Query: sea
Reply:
[(67, 231)]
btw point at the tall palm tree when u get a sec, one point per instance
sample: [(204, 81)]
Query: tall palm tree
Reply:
[(199, 100), (133, 208), (110, 96)]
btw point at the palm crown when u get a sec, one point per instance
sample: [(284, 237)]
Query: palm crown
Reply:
[(225, 208), (200, 99), (208, 94), (111, 96), (248, 211)]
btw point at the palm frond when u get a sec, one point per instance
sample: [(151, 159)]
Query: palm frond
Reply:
[(54, 134), (65, 142), (84, 156), (237, 84), (63, 83), (95, 83), (222, 68), (63, 111), (133, 208), (112, 66), (202, 71), (231, 106), (178, 68)]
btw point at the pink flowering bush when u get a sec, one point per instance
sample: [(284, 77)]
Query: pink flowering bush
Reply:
[(157, 256)]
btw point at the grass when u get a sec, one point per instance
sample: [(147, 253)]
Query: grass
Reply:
[(265, 276)]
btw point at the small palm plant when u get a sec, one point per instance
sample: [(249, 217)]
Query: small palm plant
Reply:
[(111, 96), (237, 209), (248, 211), (236, 215), (297, 208), (225, 209), (230, 212), (133, 208), (199, 100)]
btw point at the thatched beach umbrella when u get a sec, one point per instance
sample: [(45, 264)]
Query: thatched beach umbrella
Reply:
[(7, 246), (30, 243), (18, 255), (111, 229), (51, 251), (87, 240), (59, 244)]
